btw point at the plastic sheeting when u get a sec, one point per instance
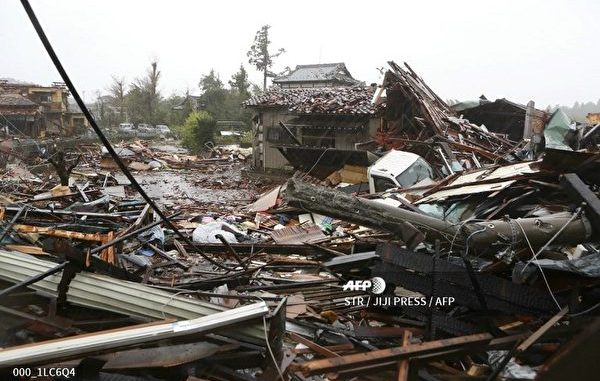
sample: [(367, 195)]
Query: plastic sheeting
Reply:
[(207, 233), (512, 370), (153, 234), (556, 131), (588, 265)]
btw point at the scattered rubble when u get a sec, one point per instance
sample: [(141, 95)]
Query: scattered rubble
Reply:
[(488, 266)]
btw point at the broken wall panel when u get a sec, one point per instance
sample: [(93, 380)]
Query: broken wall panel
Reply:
[(415, 272)]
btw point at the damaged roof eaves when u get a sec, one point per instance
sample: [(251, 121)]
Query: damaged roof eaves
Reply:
[(317, 100)]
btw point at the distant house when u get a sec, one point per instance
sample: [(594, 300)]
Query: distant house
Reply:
[(19, 115), (317, 117), (55, 116), (593, 117), (318, 75), (191, 102), (233, 128)]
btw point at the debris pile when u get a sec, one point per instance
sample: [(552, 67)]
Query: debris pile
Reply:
[(475, 257), (417, 120), (139, 156)]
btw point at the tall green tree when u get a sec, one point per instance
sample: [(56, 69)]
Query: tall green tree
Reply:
[(210, 81), (214, 96), (152, 77), (239, 82), (144, 97), (260, 56), (117, 91)]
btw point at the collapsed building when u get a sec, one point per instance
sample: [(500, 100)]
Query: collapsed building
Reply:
[(503, 117), (31, 110), (19, 114)]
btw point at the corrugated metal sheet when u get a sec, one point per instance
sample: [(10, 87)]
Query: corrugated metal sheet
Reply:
[(467, 189), (54, 350), (106, 293)]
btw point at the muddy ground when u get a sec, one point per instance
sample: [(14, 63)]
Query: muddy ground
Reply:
[(222, 186)]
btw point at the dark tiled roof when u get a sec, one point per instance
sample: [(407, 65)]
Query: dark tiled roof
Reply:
[(15, 82), (331, 72), (15, 100), (318, 100)]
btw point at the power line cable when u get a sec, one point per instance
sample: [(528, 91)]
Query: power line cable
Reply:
[(61, 70)]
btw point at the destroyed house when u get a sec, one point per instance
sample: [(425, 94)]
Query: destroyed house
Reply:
[(55, 115), (504, 117), (313, 119), (318, 75), (18, 115), (415, 119)]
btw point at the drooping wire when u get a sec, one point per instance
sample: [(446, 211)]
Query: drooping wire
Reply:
[(50, 50), (538, 265), (535, 255)]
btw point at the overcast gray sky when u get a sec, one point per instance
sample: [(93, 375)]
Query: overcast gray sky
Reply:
[(547, 51)]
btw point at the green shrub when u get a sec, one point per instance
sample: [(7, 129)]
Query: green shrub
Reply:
[(199, 127)]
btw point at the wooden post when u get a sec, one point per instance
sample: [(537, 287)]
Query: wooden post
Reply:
[(529, 117), (403, 364)]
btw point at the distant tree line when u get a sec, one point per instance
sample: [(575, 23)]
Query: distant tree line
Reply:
[(140, 101), (579, 110)]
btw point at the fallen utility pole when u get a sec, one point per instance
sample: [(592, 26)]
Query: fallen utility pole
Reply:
[(407, 225), (337, 204)]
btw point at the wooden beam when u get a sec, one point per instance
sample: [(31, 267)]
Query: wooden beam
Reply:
[(403, 364), (49, 231), (392, 354), (580, 192), (312, 345), (540, 331)]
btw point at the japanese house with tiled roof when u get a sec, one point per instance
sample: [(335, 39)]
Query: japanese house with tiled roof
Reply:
[(317, 75), (318, 117)]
